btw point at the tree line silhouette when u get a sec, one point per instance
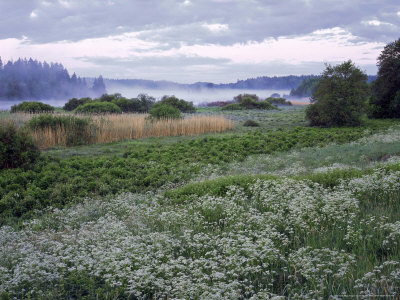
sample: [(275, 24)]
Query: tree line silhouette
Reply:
[(34, 80)]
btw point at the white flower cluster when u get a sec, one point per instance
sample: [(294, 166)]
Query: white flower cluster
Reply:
[(383, 280), (392, 135), (242, 245)]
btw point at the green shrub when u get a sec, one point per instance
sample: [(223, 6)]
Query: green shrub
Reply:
[(79, 130), (251, 123), (233, 106), (164, 111), (31, 107), (248, 103), (74, 103), (17, 148), (141, 104), (98, 108), (278, 101), (182, 105)]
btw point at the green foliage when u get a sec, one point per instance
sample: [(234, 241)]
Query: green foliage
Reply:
[(340, 97), (182, 105), (247, 101), (251, 123), (215, 187), (239, 98), (17, 149), (141, 104), (74, 103), (386, 88), (233, 106), (307, 87), (278, 101), (78, 130), (164, 111), (31, 107), (98, 108), (59, 182)]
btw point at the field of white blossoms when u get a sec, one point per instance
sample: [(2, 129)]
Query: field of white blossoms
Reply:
[(291, 237)]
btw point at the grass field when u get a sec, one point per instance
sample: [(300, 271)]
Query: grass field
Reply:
[(118, 127), (277, 211)]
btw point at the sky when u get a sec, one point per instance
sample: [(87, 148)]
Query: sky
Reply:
[(198, 40)]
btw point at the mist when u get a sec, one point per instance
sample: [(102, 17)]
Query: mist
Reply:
[(197, 96)]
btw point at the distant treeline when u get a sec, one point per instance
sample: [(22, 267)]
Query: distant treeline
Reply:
[(264, 82), (308, 86), (31, 79)]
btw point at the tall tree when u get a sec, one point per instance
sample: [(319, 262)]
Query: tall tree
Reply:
[(99, 88), (386, 88), (340, 96)]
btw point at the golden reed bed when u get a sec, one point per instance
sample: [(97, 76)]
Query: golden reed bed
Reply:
[(116, 127)]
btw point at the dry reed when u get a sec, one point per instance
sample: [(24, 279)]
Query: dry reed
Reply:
[(117, 127)]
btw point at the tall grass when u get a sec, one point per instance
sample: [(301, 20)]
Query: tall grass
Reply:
[(116, 127)]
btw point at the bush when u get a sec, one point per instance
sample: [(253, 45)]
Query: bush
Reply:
[(251, 123), (278, 101), (98, 108), (17, 148), (233, 106), (182, 105), (340, 97), (248, 102), (78, 131), (31, 107), (74, 103), (164, 111)]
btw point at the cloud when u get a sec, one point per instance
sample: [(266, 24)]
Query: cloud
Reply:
[(252, 20), (130, 55), (181, 39), (33, 15), (215, 28)]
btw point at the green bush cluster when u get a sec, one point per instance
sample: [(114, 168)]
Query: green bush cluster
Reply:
[(79, 131), (74, 103), (58, 182), (278, 101), (98, 108), (17, 148), (251, 123), (32, 107), (141, 104), (164, 111), (248, 102), (182, 105)]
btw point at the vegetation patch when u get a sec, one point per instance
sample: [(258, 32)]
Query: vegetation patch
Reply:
[(145, 167), (251, 123), (32, 107), (98, 108), (17, 148), (247, 101), (165, 112), (61, 130)]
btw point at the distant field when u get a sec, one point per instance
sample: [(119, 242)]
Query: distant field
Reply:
[(281, 210)]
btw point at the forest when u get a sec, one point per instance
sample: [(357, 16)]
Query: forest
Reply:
[(34, 80)]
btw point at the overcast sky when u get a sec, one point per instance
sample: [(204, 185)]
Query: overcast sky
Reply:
[(198, 40)]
